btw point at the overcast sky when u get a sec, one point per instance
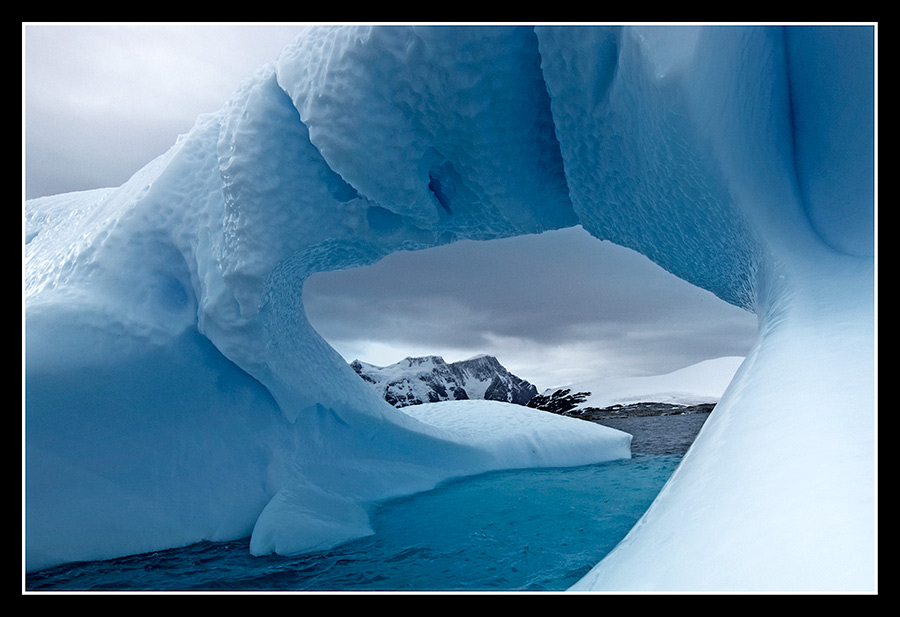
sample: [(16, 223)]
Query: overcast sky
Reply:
[(101, 101), (558, 308)]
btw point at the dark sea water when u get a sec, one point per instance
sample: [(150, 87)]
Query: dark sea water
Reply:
[(522, 530), (671, 434)]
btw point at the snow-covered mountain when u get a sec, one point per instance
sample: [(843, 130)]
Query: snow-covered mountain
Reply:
[(700, 384), (429, 379)]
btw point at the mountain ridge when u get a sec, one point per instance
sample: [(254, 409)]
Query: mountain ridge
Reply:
[(430, 379)]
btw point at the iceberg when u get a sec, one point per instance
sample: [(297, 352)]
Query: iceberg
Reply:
[(175, 391)]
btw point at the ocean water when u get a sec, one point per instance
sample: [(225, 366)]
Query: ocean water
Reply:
[(521, 530)]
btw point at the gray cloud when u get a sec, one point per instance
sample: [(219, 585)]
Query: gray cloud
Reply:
[(534, 297)]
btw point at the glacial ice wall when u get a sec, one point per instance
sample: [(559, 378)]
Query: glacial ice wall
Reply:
[(175, 391)]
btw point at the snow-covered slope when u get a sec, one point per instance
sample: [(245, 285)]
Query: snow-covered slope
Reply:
[(175, 391), (430, 379), (700, 383)]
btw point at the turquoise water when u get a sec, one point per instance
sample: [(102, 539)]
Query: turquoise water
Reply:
[(534, 529)]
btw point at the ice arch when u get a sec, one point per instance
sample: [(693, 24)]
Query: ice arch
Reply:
[(175, 392)]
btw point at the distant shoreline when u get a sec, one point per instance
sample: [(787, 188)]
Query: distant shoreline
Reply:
[(637, 410)]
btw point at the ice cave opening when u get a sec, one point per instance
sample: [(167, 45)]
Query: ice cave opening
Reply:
[(556, 308)]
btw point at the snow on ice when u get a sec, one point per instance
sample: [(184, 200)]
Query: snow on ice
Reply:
[(175, 391)]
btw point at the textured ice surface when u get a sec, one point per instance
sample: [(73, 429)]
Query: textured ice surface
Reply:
[(175, 391)]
